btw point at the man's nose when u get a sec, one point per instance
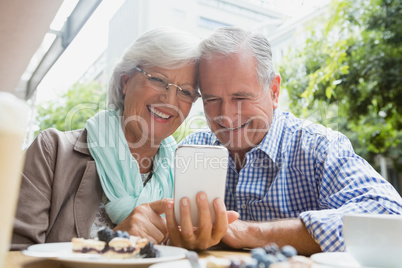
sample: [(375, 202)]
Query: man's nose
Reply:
[(229, 113)]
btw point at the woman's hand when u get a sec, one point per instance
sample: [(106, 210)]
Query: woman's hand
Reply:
[(206, 234), (145, 221)]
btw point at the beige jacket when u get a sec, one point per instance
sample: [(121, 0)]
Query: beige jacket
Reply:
[(60, 190)]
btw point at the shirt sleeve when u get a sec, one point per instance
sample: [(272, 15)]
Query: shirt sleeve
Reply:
[(346, 183)]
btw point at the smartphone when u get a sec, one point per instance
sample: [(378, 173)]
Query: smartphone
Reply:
[(199, 168)]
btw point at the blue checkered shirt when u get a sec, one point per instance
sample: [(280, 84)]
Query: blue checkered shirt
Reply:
[(304, 170)]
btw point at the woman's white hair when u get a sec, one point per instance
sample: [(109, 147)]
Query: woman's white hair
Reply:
[(232, 39), (164, 47)]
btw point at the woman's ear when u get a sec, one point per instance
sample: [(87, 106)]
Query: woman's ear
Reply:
[(124, 83)]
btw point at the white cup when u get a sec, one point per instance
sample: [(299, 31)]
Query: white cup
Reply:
[(13, 127), (374, 240)]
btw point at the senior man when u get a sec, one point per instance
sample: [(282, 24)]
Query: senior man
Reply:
[(290, 180)]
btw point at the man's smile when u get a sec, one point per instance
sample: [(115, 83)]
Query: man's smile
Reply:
[(235, 128)]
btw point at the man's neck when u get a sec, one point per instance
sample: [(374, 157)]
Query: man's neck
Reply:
[(239, 158)]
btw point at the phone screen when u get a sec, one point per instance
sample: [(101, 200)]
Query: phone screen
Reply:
[(199, 168)]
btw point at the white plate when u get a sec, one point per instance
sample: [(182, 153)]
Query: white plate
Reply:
[(177, 264), (63, 252), (336, 259)]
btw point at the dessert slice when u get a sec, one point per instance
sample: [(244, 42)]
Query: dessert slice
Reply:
[(81, 245), (122, 247), (117, 244)]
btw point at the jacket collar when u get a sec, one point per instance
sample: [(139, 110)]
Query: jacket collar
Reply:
[(81, 145)]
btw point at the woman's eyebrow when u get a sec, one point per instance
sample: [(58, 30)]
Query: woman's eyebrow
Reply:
[(159, 74), (193, 85)]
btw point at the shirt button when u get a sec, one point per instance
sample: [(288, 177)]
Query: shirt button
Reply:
[(243, 206)]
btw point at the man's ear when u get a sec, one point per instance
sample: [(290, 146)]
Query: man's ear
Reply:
[(275, 90)]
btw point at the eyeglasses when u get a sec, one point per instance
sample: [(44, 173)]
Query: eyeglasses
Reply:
[(184, 93)]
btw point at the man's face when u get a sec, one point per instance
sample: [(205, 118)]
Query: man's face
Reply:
[(238, 110)]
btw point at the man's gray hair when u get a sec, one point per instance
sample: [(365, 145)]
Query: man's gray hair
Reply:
[(232, 39), (164, 47)]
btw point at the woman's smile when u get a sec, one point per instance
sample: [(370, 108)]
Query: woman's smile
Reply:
[(159, 114)]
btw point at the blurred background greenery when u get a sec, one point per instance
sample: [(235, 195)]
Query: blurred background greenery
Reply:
[(73, 108), (348, 76)]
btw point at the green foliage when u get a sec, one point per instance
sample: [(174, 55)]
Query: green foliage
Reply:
[(189, 126), (352, 68), (182, 132), (74, 108)]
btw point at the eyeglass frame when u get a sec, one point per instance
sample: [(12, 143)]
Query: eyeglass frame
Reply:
[(167, 84)]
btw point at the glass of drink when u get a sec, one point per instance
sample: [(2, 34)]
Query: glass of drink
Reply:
[(13, 127)]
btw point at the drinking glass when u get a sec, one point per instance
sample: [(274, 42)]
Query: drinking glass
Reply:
[(13, 127)]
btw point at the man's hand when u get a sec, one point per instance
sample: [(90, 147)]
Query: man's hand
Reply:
[(237, 235), (206, 234), (241, 234), (145, 221)]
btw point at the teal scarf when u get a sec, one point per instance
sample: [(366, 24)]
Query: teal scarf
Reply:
[(119, 171)]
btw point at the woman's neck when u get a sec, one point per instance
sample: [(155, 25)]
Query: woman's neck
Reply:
[(143, 150), (144, 156)]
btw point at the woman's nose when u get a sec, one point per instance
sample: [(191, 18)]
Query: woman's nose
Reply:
[(169, 96)]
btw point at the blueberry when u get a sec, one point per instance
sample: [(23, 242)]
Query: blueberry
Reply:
[(271, 248), (118, 233), (105, 234), (289, 251), (250, 263), (126, 235), (258, 253), (268, 259), (281, 257), (235, 264), (149, 251)]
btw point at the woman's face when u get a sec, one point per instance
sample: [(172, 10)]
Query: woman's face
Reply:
[(150, 115)]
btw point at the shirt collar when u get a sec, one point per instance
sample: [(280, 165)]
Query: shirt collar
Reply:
[(214, 140), (270, 144)]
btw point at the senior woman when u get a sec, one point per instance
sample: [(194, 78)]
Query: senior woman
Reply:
[(117, 172)]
